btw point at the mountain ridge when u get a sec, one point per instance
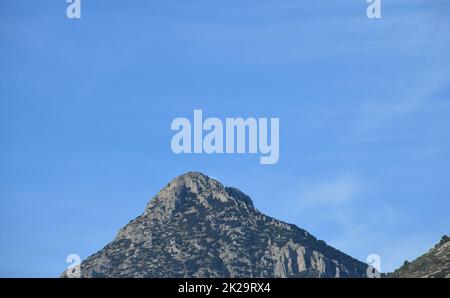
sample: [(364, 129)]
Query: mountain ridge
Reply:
[(197, 227), (434, 263)]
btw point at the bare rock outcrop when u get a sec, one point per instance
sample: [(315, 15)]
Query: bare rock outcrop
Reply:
[(196, 227)]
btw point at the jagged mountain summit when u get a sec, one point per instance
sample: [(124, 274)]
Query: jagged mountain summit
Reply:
[(434, 263), (196, 227)]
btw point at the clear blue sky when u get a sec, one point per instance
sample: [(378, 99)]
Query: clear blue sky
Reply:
[(86, 106)]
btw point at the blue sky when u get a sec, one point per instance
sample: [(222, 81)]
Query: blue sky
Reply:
[(86, 107)]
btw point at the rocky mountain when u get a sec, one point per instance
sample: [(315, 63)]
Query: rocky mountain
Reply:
[(196, 227), (434, 263)]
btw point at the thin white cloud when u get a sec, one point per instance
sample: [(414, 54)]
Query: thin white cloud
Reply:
[(339, 190)]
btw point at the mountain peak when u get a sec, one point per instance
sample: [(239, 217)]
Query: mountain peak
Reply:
[(196, 181), (196, 227), (195, 190), (190, 176)]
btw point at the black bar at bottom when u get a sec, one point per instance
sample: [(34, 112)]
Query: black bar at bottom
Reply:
[(228, 287)]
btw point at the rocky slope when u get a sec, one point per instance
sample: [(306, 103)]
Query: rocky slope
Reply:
[(196, 227), (435, 263)]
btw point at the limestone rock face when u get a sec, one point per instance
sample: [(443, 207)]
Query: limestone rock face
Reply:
[(196, 227)]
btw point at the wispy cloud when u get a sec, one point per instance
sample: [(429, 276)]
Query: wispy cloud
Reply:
[(421, 88), (339, 190), (341, 210)]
